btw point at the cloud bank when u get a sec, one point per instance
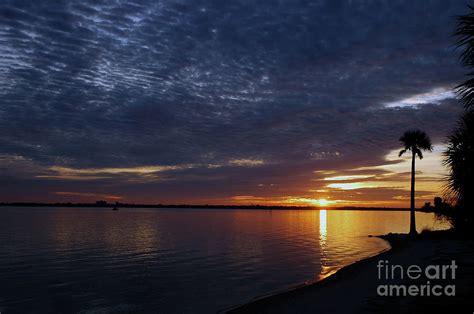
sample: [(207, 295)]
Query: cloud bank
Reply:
[(206, 101)]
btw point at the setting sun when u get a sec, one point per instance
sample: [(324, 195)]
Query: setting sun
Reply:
[(323, 202)]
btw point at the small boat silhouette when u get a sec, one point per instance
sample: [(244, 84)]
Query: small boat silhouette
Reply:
[(115, 208)]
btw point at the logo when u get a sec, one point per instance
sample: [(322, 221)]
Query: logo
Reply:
[(415, 280)]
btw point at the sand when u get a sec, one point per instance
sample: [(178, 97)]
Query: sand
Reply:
[(353, 289)]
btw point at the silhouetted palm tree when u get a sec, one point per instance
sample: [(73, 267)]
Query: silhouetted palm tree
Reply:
[(415, 141), (459, 158), (465, 35)]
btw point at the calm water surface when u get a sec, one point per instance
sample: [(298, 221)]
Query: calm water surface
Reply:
[(176, 260)]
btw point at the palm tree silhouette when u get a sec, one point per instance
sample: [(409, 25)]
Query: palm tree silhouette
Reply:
[(465, 39), (459, 158), (414, 141)]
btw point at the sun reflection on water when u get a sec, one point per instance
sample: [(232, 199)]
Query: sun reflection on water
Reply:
[(322, 227)]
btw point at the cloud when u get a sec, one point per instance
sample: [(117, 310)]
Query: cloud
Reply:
[(147, 172), (90, 195), (435, 96), (347, 177), (246, 162), (99, 94)]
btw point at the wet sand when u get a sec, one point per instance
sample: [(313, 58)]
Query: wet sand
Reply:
[(353, 289)]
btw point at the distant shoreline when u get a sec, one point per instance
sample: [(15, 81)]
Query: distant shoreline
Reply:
[(126, 205)]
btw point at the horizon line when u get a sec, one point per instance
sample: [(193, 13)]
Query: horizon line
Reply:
[(160, 205)]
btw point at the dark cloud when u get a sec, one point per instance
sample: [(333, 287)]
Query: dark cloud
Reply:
[(299, 85)]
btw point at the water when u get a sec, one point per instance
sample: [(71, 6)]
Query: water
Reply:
[(176, 260)]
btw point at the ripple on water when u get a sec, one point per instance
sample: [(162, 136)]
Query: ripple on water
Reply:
[(178, 261)]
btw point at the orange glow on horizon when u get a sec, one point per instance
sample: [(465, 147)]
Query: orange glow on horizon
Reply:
[(320, 202), (382, 185), (323, 202)]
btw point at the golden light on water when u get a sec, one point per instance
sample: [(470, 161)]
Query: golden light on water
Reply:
[(322, 226)]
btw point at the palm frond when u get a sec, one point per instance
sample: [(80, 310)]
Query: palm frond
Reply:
[(418, 153), (465, 90), (417, 141), (459, 159), (465, 39)]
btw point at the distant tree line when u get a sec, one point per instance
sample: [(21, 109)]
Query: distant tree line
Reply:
[(439, 206), (105, 204)]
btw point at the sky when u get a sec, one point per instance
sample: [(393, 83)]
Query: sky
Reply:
[(224, 102)]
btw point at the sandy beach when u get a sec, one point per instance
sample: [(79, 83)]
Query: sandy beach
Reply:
[(353, 289)]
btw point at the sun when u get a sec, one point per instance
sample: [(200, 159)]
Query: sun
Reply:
[(322, 202)]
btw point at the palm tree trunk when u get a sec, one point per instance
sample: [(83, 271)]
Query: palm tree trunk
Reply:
[(412, 196)]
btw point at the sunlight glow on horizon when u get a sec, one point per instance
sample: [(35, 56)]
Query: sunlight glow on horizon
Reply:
[(323, 202), (395, 175), (346, 178), (348, 186), (320, 202), (368, 186)]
